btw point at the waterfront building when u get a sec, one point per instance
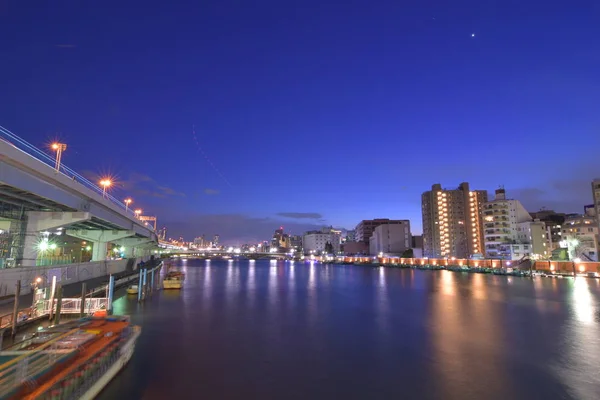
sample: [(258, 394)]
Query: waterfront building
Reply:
[(281, 241), (201, 242), (296, 243), (215, 242), (509, 231), (364, 229), (350, 236), (554, 222), (596, 197), (355, 248), (580, 235), (452, 225), (391, 239), (417, 242), (315, 242)]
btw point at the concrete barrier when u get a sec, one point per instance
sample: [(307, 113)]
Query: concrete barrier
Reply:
[(65, 274)]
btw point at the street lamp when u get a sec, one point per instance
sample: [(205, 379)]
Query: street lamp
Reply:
[(59, 148), (138, 212), (127, 203), (105, 183)]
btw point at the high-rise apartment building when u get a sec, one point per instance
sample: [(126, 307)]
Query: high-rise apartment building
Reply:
[(452, 225), (509, 231)]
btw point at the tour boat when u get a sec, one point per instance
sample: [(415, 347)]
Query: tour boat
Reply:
[(173, 280), (133, 289), (75, 360)]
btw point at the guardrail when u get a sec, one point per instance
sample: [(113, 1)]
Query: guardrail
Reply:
[(45, 158), (73, 306), (70, 305)]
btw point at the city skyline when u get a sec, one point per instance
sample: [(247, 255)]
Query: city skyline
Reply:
[(229, 121)]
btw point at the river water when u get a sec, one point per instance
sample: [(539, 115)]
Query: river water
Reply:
[(282, 330)]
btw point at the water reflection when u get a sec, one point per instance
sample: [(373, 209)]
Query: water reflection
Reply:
[(382, 308), (256, 329), (582, 339), (582, 301), (448, 286), (479, 287)]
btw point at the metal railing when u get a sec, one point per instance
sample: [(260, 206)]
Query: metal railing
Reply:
[(45, 158), (73, 306)]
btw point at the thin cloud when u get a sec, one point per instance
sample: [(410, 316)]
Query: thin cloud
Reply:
[(560, 196), (211, 192), (300, 215), (140, 184), (167, 191)]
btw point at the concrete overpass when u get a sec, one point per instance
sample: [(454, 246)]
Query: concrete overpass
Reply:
[(36, 198)]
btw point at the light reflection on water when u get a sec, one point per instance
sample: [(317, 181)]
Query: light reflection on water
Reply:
[(278, 330)]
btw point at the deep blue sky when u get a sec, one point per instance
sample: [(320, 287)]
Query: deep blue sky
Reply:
[(347, 109)]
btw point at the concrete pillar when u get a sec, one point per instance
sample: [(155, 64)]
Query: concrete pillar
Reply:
[(100, 239), (40, 221), (99, 250), (134, 247)]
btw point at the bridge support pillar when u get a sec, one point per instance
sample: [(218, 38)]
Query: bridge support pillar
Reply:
[(134, 247), (40, 221), (100, 240)]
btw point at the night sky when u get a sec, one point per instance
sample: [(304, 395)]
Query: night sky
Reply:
[(308, 112)]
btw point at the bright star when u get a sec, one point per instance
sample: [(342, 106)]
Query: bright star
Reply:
[(472, 35)]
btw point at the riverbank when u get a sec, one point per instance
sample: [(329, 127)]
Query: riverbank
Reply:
[(468, 269), (96, 287)]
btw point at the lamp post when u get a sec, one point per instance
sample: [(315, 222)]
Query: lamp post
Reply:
[(105, 183), (138, 212), (59, 148), (127, 203)]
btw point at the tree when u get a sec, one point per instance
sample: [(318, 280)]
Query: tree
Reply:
[(408, 253), (328, 248)]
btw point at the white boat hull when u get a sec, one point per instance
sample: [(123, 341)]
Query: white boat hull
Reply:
[(126, 353)]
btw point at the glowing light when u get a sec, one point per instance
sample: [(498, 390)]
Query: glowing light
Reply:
[(105, 183), (43, 245), (38, 280), (52, 246)]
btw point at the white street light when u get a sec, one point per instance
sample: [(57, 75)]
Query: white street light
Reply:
[(59, 148), (105, 184)]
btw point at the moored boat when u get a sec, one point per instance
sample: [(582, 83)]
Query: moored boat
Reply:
[(133, 289), (173, 280), (73, 360)]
